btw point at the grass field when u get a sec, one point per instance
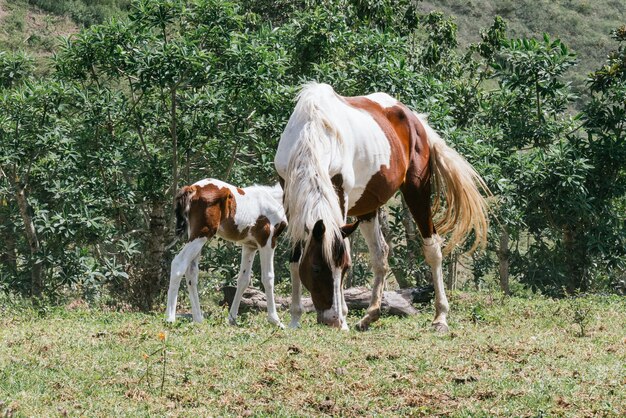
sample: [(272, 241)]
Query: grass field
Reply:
[(503, 357)]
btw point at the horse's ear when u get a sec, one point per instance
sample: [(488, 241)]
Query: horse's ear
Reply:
[(348, 229), (318, 230)]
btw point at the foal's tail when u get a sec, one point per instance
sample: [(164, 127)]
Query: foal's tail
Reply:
[(466, 209), (182, 208)]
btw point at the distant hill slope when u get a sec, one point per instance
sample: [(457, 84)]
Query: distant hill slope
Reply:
[(27, 28), (583, 25)]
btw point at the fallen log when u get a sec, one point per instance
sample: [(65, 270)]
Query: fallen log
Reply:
[(396, 302)]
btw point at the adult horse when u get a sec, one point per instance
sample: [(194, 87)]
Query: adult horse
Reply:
[(346, 156)]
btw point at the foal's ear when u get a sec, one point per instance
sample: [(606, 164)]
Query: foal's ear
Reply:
[(318, 230), (348, 229)]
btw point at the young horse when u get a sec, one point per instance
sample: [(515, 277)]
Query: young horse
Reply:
[(346, 156), (252, 217)]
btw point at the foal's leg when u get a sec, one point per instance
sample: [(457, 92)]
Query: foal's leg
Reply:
[(296, 288), (180, 264), (243, 280), (192, 287), (267, 277), (378, 250), (418, 200)]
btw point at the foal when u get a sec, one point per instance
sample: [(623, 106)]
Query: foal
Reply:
[(252, 217)]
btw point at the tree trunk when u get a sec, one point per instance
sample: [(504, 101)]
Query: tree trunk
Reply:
[(174, 136), (503, 260), (575, 264), (26, 211), (452, 266), (8, 254), (402, 278), (399, 302), (152, 280), (412, 241)]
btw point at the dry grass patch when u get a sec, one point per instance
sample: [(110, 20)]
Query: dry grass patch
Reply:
[(522, 357)]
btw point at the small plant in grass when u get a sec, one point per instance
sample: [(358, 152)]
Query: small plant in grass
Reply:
[(157, 356), (581, 314), (478, 314)]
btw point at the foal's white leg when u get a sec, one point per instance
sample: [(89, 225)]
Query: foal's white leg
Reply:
[(181, 262), (192, 287), (243, 281), (432, 254), (378, 250), (296, 295), (267, 277)]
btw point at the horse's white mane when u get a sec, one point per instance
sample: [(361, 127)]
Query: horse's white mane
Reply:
[(309, 192)]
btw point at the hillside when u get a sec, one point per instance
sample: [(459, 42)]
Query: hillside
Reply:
[(585, 26), (24, 27)]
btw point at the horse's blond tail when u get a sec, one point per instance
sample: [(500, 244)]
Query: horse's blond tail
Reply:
[(460, 184)]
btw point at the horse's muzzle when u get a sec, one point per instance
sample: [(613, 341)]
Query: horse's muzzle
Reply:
[(331, 318)]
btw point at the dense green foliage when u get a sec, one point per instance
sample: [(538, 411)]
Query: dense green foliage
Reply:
[(92, 154)]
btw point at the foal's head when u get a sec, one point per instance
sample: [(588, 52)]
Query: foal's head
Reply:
[(322, 274)]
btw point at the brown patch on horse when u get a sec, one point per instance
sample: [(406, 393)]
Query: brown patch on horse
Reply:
[(399, 125), (367, 216), (240, 191), (417, 189), (231, 232), (209, 206), (316, 275), (337, 181), (261, 230), (278, 229)]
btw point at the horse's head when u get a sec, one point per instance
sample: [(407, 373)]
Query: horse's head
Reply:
[(322, 274)]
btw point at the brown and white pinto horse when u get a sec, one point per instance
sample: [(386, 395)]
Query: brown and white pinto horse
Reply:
[(346, 156), (252, 217)]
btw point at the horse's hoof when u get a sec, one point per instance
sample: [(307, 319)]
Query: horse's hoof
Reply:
[(232, 322), (294, 325), (440, 327), (279, 325), (362, 325)]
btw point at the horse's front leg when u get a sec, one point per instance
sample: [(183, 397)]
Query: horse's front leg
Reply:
[(267, 277), (180, 264), (296, 287), (243, 280), (344, 306), (378, 250)]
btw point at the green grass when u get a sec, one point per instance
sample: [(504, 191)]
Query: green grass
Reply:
[(519, 357)]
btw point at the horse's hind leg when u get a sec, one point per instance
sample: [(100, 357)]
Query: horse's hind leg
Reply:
[(378, 250), (243, 280), (418, 200), (180, 264), (192, 288)]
